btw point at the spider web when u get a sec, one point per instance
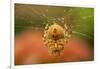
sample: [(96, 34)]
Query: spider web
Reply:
[(44, 16)]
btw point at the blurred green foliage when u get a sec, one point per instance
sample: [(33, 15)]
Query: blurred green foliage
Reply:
[(80, 18)]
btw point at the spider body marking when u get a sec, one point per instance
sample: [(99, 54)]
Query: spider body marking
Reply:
[(55, 36)]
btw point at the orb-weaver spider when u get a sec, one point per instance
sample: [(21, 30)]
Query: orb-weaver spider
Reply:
[(55, 37)]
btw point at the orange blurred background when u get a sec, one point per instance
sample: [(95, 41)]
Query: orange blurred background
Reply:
[(29, 49)]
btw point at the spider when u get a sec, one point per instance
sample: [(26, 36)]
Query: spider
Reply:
[(55, 36)]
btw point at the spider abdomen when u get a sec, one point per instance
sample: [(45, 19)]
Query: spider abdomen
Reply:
[(54, 38)]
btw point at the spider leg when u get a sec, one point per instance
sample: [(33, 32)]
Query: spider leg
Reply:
[(65, 26), (45, 34), (46, 27), (67, 32)]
